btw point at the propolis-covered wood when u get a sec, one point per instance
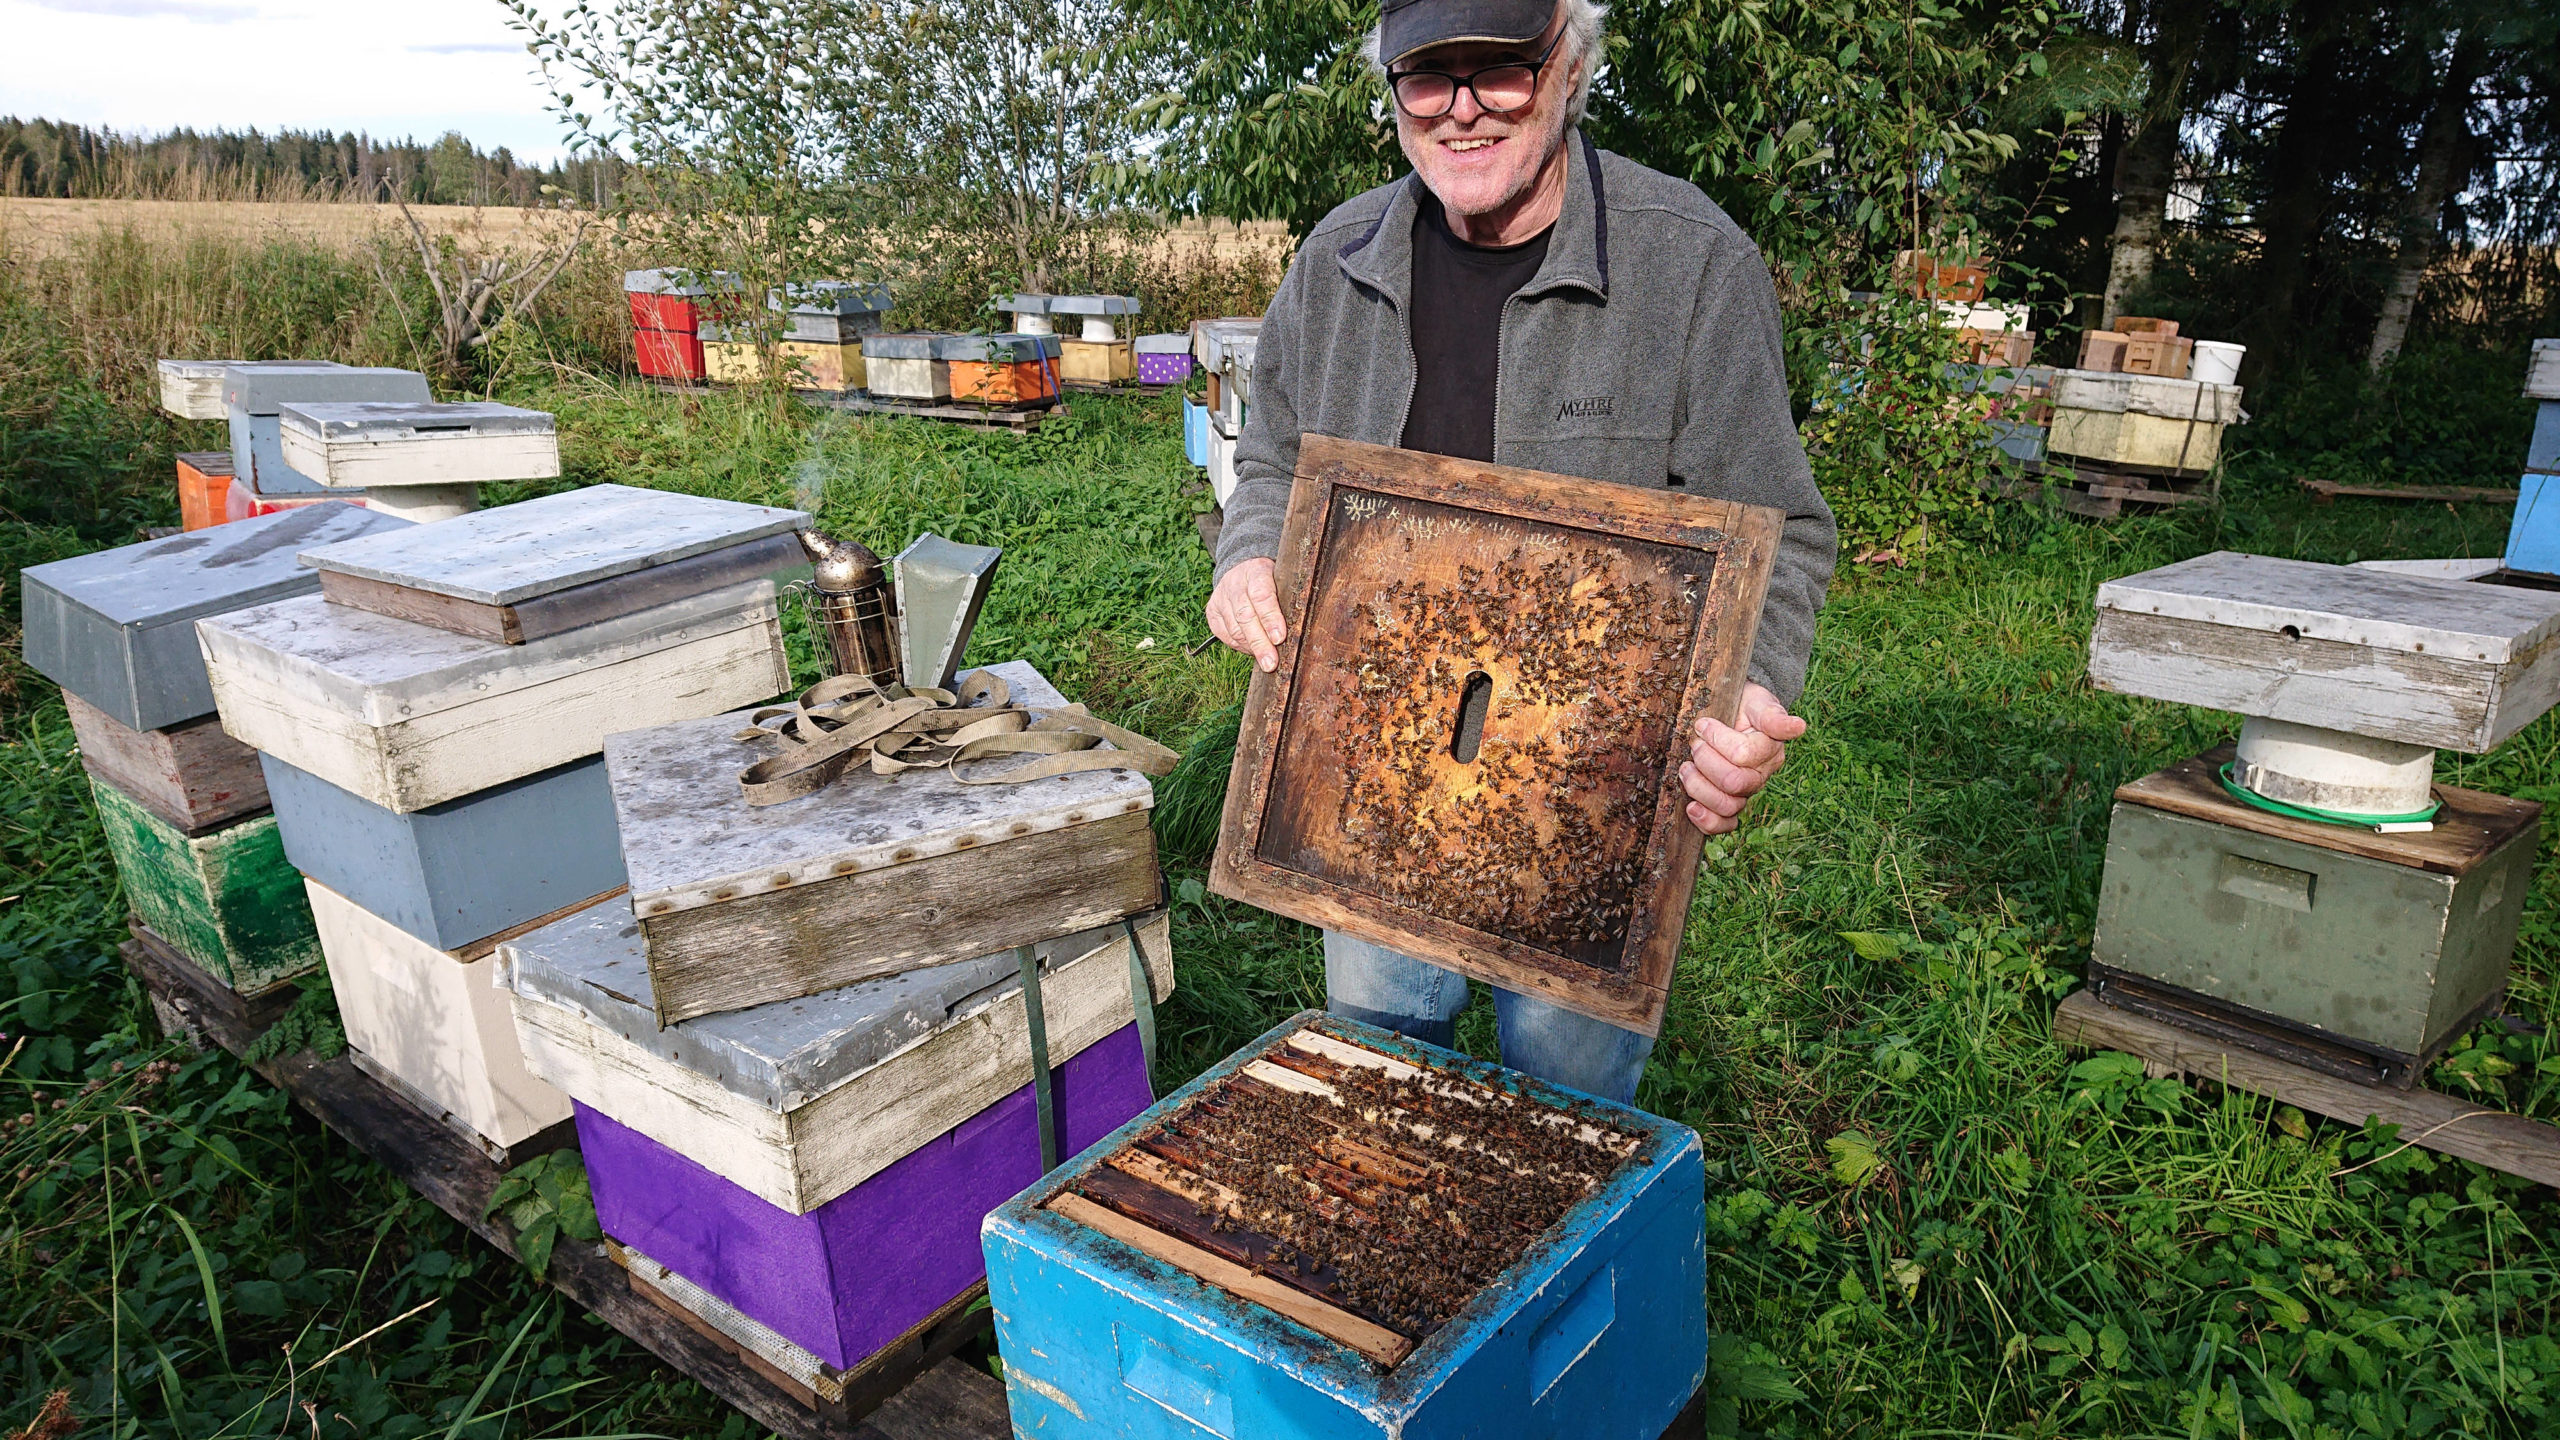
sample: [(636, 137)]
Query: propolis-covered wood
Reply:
[(189, 774), (1469, 751)]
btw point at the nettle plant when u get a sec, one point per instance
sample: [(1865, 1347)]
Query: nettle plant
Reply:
[(1899, 435)]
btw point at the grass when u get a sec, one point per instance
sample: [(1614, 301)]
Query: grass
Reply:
[(1924, 1217)]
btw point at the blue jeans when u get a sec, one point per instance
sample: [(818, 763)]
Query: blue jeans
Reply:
[(1396, 992)]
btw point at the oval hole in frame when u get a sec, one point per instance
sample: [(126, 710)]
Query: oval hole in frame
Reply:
[(1474, 698)]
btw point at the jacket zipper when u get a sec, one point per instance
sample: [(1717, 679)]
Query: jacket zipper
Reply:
[(1501, 323)]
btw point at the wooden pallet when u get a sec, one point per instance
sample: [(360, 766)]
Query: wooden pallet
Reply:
[(2104, 493), (914, 1390), (2327, 491), (2439, 1122), (1020, 420)]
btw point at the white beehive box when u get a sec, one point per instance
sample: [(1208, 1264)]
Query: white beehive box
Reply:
[(2542, 373), (420, 462), (799, 1101), (2414, 659), (2144, 420), (407, 715), (433, 1022), (192, 389)]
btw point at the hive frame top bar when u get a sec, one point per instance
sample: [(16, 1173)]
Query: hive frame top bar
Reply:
[(1662, 1147), (688, 834), (534, 547), (2450, 619)]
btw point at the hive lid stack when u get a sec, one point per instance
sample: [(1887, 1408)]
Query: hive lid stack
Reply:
[(1136, 1293), (2533, 536), (431, 724), (1225, 349), (845, 1035), (2311, 891), (419, 462), (254, 397), (184, 806), (821, 1164)]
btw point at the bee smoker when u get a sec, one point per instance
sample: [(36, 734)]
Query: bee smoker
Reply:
[(852, 604)]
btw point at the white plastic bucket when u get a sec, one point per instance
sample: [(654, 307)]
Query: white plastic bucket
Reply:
[(2216, 362)]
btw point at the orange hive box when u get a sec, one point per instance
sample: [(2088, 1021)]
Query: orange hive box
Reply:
[(1001, 369), (204, 488), (2103, 350)]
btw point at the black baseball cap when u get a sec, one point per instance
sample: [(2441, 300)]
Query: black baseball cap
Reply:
[(1405, 26)]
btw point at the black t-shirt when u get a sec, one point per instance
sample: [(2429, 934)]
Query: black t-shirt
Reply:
[(1458, 292)]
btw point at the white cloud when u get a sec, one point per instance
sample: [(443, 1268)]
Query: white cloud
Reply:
[(202, 13), (469, 47)]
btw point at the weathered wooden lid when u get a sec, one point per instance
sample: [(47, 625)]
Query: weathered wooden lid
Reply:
[(2161, 395), (900, 347), (690, 839), (1093, 305), (368, 421), (2451, 664), (2298, 599), (264, 389), (782, 1055), (205, 572), (534, 547), (1211, 339), (199, 369), (382, 671)]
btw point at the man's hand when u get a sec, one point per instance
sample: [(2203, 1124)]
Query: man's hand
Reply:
[(1728, 764), (1244, 611)]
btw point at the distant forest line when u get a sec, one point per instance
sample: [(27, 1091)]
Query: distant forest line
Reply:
[(62, 160)]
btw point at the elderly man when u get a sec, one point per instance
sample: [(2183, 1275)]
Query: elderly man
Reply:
[(1524, 298)]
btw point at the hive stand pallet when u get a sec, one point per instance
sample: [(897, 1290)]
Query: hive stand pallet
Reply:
[(913, 1391), (1021, 421), (2436, 1121), (2103, 493)]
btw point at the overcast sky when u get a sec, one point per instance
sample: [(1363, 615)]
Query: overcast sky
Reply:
[(391, 67)]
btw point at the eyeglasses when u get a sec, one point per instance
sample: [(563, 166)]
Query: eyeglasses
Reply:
[(1499, 89)]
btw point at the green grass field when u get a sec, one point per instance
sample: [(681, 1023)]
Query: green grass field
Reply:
[(1925, 1218)]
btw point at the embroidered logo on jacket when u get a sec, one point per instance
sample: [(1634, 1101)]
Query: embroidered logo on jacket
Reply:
[(1589, 407)]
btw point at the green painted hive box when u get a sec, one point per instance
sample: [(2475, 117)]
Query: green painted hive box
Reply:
[(2361, 953), (227, 900)]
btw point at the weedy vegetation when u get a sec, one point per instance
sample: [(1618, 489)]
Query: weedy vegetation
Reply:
[(1925, 1218)]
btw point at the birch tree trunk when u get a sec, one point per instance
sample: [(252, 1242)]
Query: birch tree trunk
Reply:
[(2446, 154), (2148, 164)]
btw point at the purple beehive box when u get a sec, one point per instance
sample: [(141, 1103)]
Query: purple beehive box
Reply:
[(855, 1274), (1163, 359)]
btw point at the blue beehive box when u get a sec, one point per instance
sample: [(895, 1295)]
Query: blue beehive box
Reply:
[(2533, 537), (455, 874), (1598, 1330), (2545, 452), (253, 396), (1195, 431)]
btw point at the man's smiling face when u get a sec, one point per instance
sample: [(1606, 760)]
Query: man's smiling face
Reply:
[(1478, 162)]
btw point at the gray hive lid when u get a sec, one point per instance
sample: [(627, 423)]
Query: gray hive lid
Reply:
[(206, 572), (1163, 344), (366, 421), (535, 547), (679, 282), (1025, 304), (267, 388), (1211, 339), (831, 297), (995, 349), (1094, 305), (2445, 619), (687, 831), (781, 1055), (901, 347), (2542, 372)]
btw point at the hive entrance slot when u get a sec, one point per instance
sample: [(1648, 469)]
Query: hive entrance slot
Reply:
[(1474, 698)]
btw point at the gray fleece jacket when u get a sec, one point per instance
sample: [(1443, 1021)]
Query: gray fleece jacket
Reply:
[(1645, 351)]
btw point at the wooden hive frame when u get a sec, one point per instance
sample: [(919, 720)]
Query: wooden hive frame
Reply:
[(1278, 849)]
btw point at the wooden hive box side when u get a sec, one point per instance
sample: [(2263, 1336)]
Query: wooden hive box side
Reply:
[(191, 774), (227, 900)]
